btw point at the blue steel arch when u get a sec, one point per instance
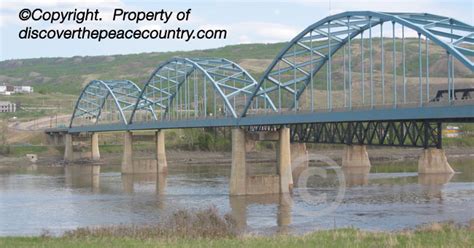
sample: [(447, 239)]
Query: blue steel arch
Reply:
[(94, 95), (166, 81), (448, 33)]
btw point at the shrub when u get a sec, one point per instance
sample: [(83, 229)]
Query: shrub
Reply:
[(204, 223)]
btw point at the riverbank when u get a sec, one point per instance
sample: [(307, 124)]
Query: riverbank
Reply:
[(177, 157), (435, 235)]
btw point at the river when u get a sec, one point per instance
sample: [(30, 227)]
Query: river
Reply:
[(38, 198)]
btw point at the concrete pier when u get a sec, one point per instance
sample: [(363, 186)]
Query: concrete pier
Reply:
[(55, 139), (355, 156), (68, 148), (241, 183), (49, 139), (69, 155), (127, 159), (95, 152), (284, 161), (161, 152), (58, 140), (433, 160), (157, 164), (238, 175)]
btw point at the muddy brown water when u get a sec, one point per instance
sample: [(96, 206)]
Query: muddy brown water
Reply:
[(36, 198)]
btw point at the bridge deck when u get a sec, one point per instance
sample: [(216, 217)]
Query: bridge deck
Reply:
[(453, 113)]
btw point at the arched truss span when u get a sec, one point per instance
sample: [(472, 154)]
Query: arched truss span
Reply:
[(93, 97), (182, 88), (309, 51)]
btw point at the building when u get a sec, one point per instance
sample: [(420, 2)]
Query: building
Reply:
[(452, 132), (4, 90), (10, 89), (23, 89), (27, 89), (7, 107)]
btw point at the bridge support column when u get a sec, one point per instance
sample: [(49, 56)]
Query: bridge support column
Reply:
[(243, 184), (68, 147), (49, 139), (355, 156), (56, 139), (161, 152), (433, 160), (284, 160), (238, 175), (127, 159), (95, 152)]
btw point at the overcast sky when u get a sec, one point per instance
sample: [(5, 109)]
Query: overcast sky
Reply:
[(246, 21)]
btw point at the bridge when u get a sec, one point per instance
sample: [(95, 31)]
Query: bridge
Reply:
[(356, 78)]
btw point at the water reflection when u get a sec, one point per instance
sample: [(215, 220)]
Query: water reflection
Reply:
[(82, 176), (356, 176), (432, 185), (434, 179), (130, 180), (239, 206), (72, 196), (31, 168)]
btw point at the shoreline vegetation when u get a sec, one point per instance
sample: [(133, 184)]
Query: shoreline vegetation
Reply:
[(207, 228)]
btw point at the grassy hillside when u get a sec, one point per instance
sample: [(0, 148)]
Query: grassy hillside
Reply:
[(68, 75), (58, 81)]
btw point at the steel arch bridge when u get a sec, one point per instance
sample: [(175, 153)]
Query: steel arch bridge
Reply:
[(176, 89), (358, 70), (179, 87), (310, 52), (122, 93)]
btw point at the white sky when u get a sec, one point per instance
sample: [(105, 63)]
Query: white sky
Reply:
[(246, 21)]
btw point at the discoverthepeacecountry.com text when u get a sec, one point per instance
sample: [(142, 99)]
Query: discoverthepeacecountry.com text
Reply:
[(82, 17)]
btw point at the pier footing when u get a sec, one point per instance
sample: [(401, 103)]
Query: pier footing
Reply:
[(355, 156), (433, 161)]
